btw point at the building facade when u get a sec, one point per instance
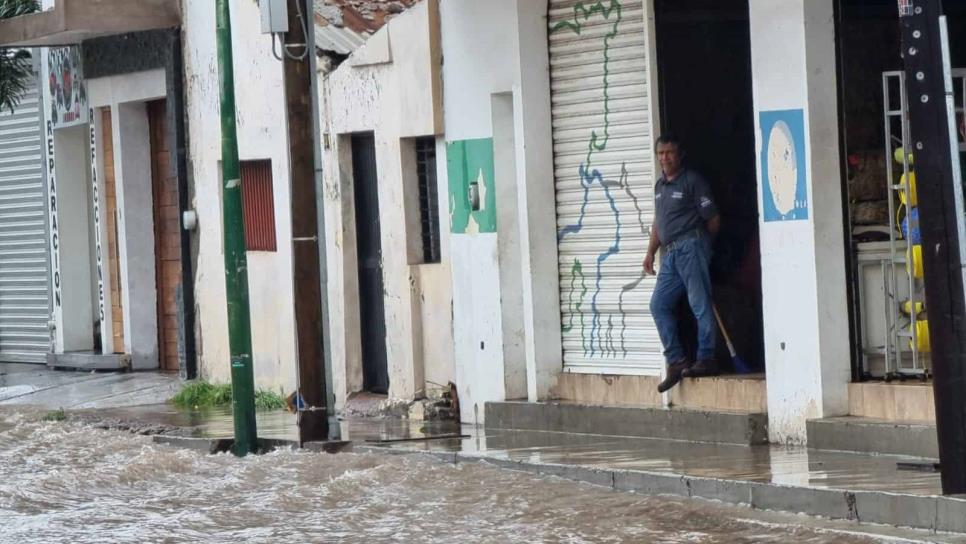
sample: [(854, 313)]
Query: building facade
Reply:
[(118, 279), (486, 197), (549, 135), (390, 301), (537, 123)]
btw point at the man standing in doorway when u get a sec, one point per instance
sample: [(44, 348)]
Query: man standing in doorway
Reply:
[(685, 221)]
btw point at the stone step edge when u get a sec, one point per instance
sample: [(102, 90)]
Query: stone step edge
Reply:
[(746, 429), (925, 512), (855, 431)]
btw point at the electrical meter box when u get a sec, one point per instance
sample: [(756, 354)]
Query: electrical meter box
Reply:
[(274, 16)]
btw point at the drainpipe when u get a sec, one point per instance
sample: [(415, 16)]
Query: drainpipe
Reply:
[(236, 261)]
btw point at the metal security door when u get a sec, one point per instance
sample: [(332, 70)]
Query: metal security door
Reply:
[(604, 184), (24, 243), (375, 367)]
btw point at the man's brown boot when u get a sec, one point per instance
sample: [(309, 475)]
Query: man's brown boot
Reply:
[(674, 373)]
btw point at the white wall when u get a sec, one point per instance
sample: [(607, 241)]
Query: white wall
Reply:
[(506, 41), (262, 134), (803, 267), (486, 33), (388, 87)]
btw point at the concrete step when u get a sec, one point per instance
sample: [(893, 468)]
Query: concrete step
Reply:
[(896, 401), (648, 422), (866, 435), (89, 361), (735, 393)]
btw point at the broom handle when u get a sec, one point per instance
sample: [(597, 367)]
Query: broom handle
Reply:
[(724, 332)]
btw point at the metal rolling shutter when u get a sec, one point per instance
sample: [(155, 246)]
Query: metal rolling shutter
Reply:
[(604, 184), (24, 249)]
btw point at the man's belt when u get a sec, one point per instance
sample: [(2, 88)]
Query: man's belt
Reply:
[(690, 235)]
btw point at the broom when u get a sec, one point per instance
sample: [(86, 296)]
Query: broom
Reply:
[(741, 367)]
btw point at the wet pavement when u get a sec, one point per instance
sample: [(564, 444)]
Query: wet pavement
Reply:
[(61, 481), (831, 484), (37, 385), (779, 465)]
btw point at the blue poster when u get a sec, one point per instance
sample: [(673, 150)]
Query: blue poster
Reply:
[(783, 167)]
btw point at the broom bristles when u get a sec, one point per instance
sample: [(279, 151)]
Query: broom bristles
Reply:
[(741, 367)]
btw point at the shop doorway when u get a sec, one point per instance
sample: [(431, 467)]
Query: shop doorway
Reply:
[(869, 62), (705, 93), (375, 367)]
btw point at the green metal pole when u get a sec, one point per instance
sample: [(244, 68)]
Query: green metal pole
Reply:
[(236, 262)]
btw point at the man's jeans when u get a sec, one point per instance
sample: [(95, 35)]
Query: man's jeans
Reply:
[(684, 269)]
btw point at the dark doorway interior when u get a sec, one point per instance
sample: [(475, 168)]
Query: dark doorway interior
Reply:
[(375, 369), (704, 68)]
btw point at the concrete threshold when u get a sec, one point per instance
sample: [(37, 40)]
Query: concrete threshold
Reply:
[(924, 512), (89, 361)]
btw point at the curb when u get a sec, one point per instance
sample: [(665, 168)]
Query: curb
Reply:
[(929, 512), (220, 445)]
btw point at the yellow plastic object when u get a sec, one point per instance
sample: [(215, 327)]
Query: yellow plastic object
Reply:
[(914, 262), (911, 186), (898, 156), (907, 307), (922, 336)]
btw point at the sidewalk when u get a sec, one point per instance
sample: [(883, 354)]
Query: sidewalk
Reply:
[(37, 385), (837, 485)]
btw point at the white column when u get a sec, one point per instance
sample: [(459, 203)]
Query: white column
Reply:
[(536, 197), (98, 215), (135, 202), (802, 236), (74, 309)]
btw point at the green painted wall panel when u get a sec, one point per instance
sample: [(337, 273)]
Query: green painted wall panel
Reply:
[(469, 163)]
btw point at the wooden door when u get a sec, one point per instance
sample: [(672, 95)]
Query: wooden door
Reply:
[(167, 237), (113, 259)]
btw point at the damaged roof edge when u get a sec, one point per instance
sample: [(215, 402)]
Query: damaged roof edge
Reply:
[(342, 26)]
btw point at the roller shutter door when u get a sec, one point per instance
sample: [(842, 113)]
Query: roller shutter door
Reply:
[(24, 244), (604, 185)]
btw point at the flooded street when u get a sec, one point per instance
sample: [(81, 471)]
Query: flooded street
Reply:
[(66, 482)]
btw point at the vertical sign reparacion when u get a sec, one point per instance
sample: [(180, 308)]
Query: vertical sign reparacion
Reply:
[(96, 208)]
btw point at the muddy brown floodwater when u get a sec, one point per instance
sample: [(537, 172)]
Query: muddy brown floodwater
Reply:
[(63, 482)]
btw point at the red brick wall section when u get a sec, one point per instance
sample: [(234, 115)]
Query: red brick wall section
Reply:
[(167, 232)]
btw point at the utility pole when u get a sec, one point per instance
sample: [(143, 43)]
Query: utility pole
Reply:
[(940, 219), (236, 261), (299, 53)]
